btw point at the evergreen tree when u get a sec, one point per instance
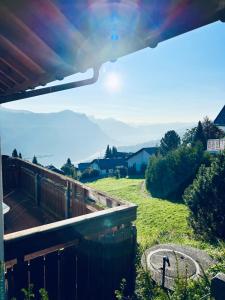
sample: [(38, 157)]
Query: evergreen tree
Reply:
[(199, 136), (188, 136), (114, 152), (108, 152), (211, 131), (20, 155), (169, 142), (34, 161), (68, 162), (14, 153), (69, 169), (205, 199), (168, 176)]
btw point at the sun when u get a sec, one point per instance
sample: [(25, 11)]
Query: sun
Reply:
[(113, 82)]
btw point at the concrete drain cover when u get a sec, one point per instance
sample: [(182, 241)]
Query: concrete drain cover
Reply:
[(183, 262)]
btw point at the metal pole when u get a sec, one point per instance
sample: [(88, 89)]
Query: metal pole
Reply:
[(2, 272), (165, 261)]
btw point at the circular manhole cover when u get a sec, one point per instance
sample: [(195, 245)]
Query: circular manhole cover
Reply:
[(179, 263), (184, 262)]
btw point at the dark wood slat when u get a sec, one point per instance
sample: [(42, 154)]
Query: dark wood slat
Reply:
[(7, 47), (5, 80), (3, 87), (11, 73), (28, 42)]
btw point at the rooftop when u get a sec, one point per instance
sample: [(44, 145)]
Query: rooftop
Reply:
[(220, 119), (109, 163), (149, 150)]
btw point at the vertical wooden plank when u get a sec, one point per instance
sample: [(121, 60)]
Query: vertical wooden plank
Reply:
[(52, 275), (68, 274), (10, 283), (20, 278), (37, 275)]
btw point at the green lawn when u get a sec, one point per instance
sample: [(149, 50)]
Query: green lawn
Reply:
[(158, 221)]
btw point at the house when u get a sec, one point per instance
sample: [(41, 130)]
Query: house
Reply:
[(139, 160), (107, 165), (122, 155), (83, 166), (54, 169), (216, 145)]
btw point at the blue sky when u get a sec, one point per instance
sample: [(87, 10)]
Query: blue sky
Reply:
[(182, 80)]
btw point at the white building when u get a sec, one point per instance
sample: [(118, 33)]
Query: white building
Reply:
[(107, 166), (216, 145), (140, 159)]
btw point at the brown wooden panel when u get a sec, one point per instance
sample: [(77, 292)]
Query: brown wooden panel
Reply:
[(45, 236), (92, 270)]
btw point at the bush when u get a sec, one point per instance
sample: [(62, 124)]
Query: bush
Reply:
[(206, 199), (90, 173), (121, 172), (169, 176)]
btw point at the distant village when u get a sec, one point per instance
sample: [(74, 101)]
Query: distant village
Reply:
[(116, 163)]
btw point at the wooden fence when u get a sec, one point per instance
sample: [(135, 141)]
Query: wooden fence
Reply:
[(85, 255), (79, 258), (61, 196)]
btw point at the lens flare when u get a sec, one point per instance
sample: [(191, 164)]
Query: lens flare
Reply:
[(113, 82)]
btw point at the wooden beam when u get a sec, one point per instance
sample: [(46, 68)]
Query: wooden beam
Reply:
[(28, 42), (39, 238), (5, 80), (11, 73), (8, 47), (3, 87)]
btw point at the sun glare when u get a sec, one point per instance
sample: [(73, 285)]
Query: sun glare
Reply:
[(113, 82)]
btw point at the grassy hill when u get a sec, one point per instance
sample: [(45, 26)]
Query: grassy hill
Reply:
[(158, 221)]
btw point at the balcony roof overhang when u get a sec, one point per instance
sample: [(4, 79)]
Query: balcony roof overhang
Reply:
[(47, 40)]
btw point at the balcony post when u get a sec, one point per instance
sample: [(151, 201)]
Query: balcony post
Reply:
[(2, 273)]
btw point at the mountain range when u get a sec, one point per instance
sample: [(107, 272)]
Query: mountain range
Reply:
[(53, 137)]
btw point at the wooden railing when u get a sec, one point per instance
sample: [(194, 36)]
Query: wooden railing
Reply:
[(58, 194), (85, 255)]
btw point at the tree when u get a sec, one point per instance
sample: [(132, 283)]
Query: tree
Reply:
[(20, 155), (68, 162), (108, 152), (89, 174), (199, 136), (205, 199), (69, 169), (14, 153), (188, 136), (114, 152), (211, 131), (169, 142), (34, 161), (168, 176)]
